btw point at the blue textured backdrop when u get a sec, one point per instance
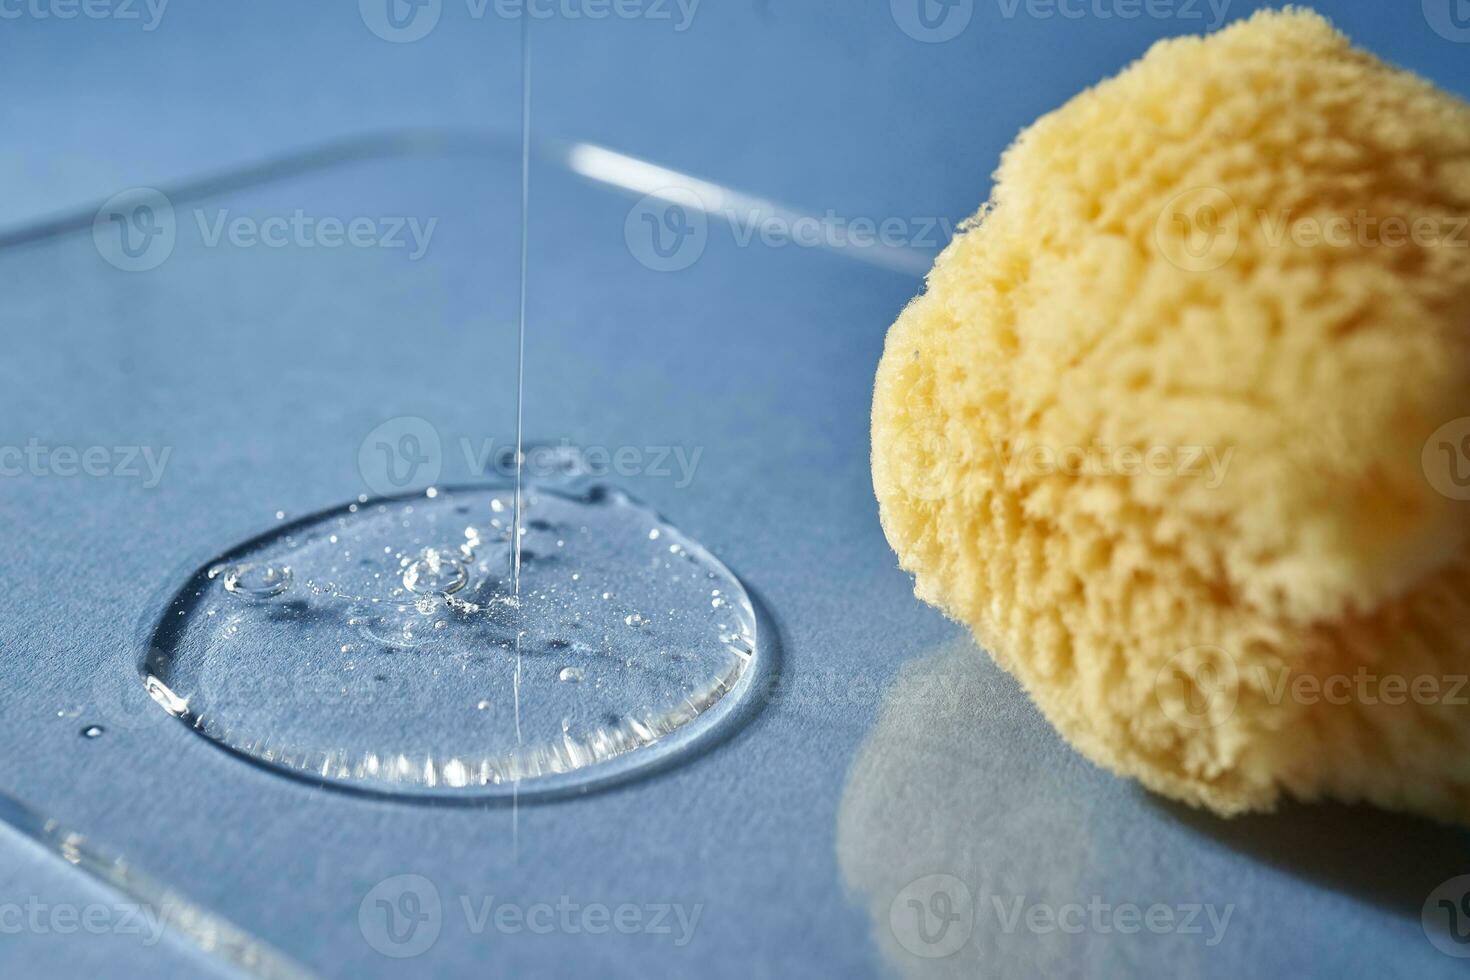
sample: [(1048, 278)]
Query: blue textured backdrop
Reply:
[(261, 369)]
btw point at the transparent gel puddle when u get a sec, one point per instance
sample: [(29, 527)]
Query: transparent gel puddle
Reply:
[(375, 645)]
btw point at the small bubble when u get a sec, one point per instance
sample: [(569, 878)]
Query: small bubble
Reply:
[(93, 731), (253, 580), (571, 675), (483, 706), (280, 515), (438, 572)]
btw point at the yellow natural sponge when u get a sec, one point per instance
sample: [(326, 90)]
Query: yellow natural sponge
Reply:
[(1158, 428)]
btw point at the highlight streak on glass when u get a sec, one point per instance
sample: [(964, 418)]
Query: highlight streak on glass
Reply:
[(636, 176), (211, 933)]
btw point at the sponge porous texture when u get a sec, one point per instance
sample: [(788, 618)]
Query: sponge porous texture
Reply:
[(1156, 429)]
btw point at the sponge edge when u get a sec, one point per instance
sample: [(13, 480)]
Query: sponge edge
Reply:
[(1156, 430)]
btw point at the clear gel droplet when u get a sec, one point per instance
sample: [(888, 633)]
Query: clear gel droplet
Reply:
[(351, 673)]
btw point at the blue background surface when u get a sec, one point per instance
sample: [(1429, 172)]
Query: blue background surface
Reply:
[(262, 370)]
